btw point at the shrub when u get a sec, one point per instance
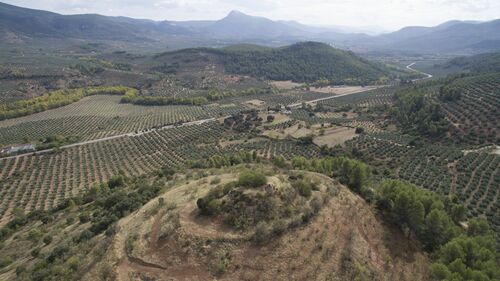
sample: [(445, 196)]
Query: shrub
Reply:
[(279, 161), (47, 239), (35, 252), (303, 187), (116, 181), (251, 179), (6, 261), (215, 180), (262, 233), (35, 235), (84, 217)]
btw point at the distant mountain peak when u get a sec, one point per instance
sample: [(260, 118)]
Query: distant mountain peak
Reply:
[(237, 14)]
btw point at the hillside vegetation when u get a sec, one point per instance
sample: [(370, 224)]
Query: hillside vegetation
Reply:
[(304, 62), (482, 63), (301, 62)]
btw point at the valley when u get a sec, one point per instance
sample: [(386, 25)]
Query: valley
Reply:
[(246, 149)]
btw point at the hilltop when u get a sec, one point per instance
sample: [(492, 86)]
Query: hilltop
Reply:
[(300, 62), (271, 228)]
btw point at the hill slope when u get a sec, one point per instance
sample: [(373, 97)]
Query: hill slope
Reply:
[(41, 24), (17, 23), (301, 62), (482, 63), (454, 36), (237, 26), (304, 62)]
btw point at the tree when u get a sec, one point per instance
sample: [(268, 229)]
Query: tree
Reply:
[(359, 130), (438, 229), (439, 271), (458, 213), (358, 176), (270, 118)]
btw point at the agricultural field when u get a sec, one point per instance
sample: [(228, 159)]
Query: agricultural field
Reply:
[(41, 181), (102, 116), (473, 176), (475, 115), (183, 164)]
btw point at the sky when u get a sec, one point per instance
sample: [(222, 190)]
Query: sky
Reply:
[(378, 14)]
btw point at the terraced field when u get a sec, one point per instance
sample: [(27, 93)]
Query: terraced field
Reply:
[(475, 115), (473, 176)]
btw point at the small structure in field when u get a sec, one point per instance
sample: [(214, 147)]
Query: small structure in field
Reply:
[(18, 149)]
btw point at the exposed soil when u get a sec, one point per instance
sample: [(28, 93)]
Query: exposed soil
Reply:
[(285, 85), (346, 240), (339, 90), (334, 136)]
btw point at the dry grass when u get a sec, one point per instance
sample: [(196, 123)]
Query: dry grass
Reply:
[(255, 103), (340, 90), (285, 85), (347, 240), (334, 136)]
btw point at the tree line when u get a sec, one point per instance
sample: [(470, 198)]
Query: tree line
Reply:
[(56, 99)]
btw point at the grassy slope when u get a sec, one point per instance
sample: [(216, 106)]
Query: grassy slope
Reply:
[(330, 245)]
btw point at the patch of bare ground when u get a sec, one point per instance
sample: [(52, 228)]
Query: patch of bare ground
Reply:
[(346, 240), (277, 118), (341, 90), (226, 143), (334, 136), (296, 131), (285, 85), (255, 103)]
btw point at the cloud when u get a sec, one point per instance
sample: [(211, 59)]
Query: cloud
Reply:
[(390, 14)]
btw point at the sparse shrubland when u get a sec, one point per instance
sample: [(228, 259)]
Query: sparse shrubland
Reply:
[(251, 202)]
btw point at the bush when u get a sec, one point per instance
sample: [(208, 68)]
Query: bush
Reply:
[(116, 181), (262, 233), (251, 179), (6, 261), (84, 217), (303, 187), (47, 239), (215, 180), (35, 252)]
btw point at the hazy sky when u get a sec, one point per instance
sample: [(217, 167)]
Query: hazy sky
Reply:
[(388, 14)]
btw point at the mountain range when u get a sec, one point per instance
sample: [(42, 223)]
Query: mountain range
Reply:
[(18, 25)]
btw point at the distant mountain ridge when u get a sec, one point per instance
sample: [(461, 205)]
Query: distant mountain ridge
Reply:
[(37, 23), (448, 37), (237, 27)]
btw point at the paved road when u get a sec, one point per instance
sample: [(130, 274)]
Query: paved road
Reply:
[(413, 69)]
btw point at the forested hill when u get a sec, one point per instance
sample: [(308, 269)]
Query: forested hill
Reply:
[(304, 62), (300, 62), (482, 63)]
